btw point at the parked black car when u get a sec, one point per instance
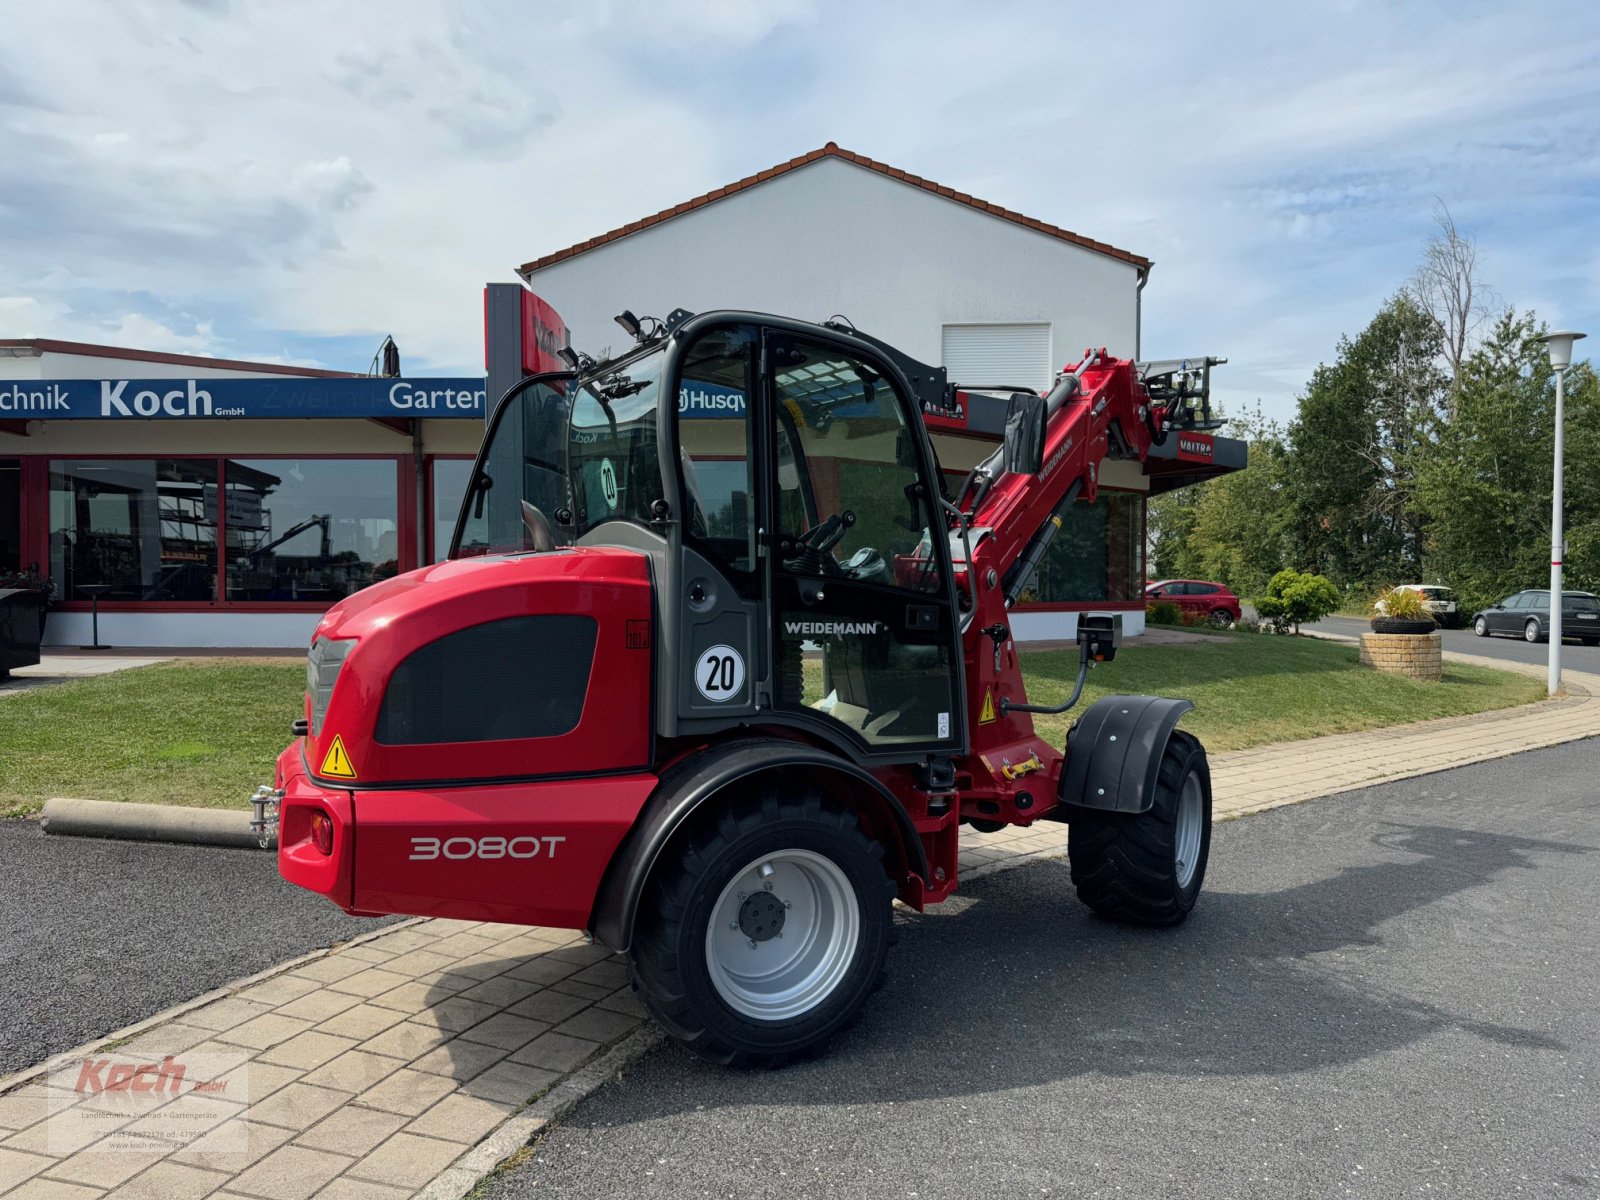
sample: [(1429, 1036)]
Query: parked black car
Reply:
[(1527, 615)]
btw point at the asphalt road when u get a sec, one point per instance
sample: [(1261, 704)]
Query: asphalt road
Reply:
[(1387, 993), (95, 934), (1463, 641)]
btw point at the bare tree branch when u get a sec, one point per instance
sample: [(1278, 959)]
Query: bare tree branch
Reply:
[(1446, 286)]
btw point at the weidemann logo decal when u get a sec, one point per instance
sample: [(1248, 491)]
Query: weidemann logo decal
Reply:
[(830, 628)]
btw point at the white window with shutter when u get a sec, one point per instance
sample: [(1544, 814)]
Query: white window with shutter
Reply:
[(1008, 355)]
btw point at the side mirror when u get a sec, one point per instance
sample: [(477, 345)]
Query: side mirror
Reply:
[(1023, 449)]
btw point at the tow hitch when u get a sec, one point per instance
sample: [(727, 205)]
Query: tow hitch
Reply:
[(264, 805)]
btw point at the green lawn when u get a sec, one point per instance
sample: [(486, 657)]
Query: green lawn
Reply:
[(206, 731), (1254, 688), (198, 732)]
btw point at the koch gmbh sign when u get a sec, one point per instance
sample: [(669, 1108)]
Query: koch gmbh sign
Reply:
[(201, 399)]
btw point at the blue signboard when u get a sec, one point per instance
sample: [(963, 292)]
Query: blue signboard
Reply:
[(296, 397)]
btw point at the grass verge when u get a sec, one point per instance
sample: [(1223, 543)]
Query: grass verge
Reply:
[(1250, 689), (200, 731), (206, 731)]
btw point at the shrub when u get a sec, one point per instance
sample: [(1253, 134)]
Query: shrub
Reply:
[(1293, 599), (1248, 625), (1404, 603), (1163, 612)]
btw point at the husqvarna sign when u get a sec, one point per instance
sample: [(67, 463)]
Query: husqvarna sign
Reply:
[(201, 399)]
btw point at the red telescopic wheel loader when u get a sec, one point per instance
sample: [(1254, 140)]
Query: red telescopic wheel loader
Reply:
[(717, 668)]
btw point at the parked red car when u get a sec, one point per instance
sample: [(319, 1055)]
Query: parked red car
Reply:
[(1212, 602)]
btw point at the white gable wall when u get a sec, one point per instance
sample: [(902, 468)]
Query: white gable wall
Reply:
[(832, 237)]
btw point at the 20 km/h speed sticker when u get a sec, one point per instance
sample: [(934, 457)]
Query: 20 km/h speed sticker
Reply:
[(719, 673)]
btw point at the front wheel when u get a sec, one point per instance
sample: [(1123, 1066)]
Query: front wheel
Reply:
[(765, 930), (1530, 631), (1146, 868), (1481, 627)]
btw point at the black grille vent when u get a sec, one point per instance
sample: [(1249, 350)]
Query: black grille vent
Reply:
[(521, 677)]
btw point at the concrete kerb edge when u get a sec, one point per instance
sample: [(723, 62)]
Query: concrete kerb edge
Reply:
[(483, 1159), (11, 1083)]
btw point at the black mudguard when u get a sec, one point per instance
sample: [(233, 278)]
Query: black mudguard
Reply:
[(692, 783), (1114, 752)]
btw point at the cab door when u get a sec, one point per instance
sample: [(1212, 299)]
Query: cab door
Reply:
[(864, 635)]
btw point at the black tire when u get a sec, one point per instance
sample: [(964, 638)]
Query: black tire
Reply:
[(671, 954), (1125, 865), (1531, 632), (1221, 618), (1481, 627), (1403, 625)]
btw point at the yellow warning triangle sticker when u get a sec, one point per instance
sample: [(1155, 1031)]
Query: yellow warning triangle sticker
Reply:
[(987, 716), (336, 763)]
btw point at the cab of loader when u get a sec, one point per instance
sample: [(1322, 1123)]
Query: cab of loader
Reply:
[(778, 476)]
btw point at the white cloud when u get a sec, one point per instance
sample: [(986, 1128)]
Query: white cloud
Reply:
[(299, 171)]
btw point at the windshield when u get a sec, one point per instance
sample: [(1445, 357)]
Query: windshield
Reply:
[(588, 449), (612, 458)]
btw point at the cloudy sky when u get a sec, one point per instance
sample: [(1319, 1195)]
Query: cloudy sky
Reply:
[(290, 181)]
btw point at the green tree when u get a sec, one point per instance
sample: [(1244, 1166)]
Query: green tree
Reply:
[(1486, 487), (1364, 426), (1293, 599), (1234, 529)]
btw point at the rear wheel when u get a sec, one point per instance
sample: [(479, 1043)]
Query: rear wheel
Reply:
[(764, 930), (1220, 617), (1530, 631), (1147, 868), (1481, 627)]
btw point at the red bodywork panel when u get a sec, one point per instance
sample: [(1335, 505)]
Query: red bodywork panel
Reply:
[(411, 610), (468, 829)]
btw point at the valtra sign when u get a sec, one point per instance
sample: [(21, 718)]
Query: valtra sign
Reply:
[(271, 399)]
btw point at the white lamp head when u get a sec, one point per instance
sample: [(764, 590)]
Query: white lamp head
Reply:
[(1559, 344)]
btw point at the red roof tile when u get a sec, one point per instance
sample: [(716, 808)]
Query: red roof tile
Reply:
[(832, 150)]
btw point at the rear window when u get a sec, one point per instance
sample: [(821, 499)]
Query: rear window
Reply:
[(1583, 604)]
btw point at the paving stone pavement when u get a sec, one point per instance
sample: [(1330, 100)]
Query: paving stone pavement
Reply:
[(412, 1061)]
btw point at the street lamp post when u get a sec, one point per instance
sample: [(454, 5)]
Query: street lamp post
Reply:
[(1560, 347)]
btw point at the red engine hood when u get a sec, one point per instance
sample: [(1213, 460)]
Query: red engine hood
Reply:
[(443, 584), (390, 620)]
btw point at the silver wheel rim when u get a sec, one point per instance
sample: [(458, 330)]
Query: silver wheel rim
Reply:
[(1480, 627), (1530, 631), (1191, 824), (780, 956)]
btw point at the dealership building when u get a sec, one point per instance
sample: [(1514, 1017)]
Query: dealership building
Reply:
[(208, 502)]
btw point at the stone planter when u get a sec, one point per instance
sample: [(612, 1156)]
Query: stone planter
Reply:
[(1414, 655), (21, 627)]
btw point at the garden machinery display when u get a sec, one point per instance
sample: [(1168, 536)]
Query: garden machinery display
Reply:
[(719, 664)]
